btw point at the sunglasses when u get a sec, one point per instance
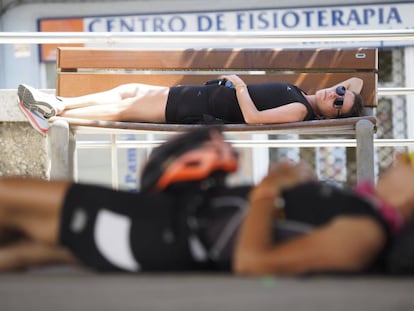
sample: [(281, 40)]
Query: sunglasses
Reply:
[(339, 102)]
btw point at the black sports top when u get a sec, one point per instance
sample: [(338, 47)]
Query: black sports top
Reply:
[(191, 104), (327, 201)]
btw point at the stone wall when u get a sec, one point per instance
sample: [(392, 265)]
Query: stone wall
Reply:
[(23, 151)]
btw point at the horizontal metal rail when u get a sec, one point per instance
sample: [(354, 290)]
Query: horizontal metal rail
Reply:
[(278, 143), (228, 38), (388, 91), (115, 144)]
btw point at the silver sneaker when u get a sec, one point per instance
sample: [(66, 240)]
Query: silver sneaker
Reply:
[(36, 119), (35, 100)]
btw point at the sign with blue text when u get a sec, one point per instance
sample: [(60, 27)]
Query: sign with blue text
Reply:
[(315, 18), (326, 18)]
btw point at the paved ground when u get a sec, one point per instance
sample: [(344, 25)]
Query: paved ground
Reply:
[(62, 290)]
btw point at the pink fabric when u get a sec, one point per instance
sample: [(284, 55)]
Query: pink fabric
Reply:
[(390, 215)]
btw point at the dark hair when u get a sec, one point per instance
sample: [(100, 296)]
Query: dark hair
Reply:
[(357, 107)]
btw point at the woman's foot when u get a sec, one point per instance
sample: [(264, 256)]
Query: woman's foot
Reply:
[(8, 236), (24, 254), (45, 104), (36, 119)]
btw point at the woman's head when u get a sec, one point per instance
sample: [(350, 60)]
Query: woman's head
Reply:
[(337, 102), (191, 157)]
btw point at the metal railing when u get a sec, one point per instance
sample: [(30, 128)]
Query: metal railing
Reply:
[(280, 143), (227, 38)]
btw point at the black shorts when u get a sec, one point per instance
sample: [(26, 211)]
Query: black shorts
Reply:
[(190, 104), (111, 230), (187, 104)]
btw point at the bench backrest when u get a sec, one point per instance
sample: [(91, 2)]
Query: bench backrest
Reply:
[(86, 70)]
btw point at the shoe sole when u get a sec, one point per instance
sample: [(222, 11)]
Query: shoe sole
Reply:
[(31, 118), (27, 98)]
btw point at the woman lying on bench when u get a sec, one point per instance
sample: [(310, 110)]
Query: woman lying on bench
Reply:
[(227, 100), (186, 218)]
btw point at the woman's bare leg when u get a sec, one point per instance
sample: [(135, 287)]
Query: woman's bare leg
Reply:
[(26, 253), (32, 207), (128, 102)]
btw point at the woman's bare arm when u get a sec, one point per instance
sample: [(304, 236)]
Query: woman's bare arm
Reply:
[(345, 244), (353, 84)]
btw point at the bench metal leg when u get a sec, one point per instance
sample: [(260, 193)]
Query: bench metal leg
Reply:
[(61, 151), (365, 151)]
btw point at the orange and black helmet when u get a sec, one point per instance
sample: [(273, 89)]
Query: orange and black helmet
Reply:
[(190, 157)]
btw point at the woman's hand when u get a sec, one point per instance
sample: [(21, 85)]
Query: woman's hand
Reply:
[(282, 176), (236, 80), (396, 186), (255, 251), (353, 84)]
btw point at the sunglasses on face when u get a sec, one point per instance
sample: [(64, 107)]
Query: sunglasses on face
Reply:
[(339, 102)]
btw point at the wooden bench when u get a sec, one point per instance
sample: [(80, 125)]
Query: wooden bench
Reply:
[(85, 70)]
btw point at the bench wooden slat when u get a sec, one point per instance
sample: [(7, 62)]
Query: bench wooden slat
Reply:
[(76, 84), (281, 59), (333, 126)]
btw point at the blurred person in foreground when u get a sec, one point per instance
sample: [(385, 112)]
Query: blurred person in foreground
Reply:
[(187, 218)]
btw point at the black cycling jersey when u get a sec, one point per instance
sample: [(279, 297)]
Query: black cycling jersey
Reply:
[(186, 230)]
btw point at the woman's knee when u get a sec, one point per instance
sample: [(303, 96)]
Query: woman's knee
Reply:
[(127, 90)]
